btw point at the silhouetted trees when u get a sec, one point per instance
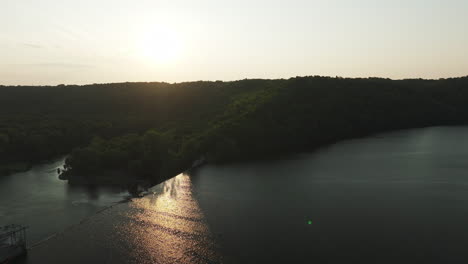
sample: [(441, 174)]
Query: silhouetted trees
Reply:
[(150, 130)]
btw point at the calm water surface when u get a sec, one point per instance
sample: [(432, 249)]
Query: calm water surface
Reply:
[(393, 198), (47, 205)]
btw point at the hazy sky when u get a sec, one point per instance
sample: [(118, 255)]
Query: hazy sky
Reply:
[(95, 41)]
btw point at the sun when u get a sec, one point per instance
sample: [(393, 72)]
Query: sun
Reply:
[(161, 46)]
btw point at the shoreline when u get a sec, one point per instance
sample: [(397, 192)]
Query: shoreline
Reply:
[(14, 167)]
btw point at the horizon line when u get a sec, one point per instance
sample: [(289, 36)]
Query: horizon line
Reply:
[(237, 80)]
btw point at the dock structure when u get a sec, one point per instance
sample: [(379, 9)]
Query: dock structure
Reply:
[(12, 242)]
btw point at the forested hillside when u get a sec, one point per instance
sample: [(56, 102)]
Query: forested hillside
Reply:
[(150, 130)]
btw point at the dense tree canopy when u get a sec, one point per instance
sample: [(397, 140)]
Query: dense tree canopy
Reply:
[(153, 130)]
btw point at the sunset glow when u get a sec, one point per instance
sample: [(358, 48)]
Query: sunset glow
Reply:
[(161, 46), (78, 42)]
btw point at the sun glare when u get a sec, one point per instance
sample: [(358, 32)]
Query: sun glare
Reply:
[(161, 46)]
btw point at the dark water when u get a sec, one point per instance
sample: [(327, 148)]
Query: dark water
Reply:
[(393, 198), (167, 226), (47, 205)]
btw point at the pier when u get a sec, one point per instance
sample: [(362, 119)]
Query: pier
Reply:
[(12, 242)]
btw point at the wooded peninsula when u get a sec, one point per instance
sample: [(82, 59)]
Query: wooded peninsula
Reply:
[(152, 131)]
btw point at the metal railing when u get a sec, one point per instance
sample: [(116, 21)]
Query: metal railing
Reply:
[(13, 235)]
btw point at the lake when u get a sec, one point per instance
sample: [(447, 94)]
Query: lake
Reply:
[(398, 197), (47, 205)]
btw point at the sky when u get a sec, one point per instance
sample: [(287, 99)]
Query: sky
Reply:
[(49, 42)]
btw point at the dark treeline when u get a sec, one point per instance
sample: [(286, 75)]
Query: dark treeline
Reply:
[(39, 123), (153, 130)]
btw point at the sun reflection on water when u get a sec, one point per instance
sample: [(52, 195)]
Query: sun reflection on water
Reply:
[(169, 227)]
